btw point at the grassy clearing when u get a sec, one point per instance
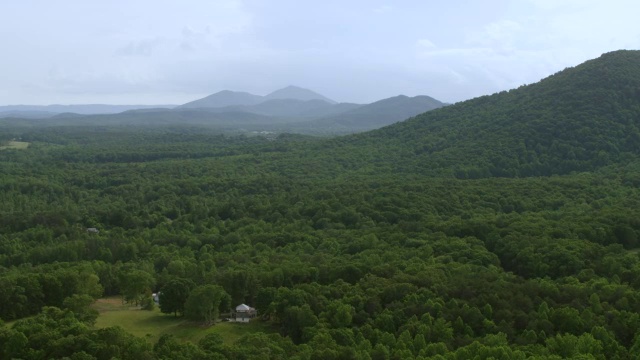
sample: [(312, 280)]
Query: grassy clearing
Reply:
[(153, 324), (17, 145), (8, 324)]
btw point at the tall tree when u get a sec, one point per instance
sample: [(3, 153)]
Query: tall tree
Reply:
[(135, 284), (204, 303), (174, 295)]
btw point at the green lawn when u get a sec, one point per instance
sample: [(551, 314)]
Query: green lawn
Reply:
[(18, 145), (153, 324)]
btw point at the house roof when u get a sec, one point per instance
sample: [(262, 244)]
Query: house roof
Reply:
[(243, 307)]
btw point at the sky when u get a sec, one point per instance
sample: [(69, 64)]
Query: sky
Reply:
[(172, 52)]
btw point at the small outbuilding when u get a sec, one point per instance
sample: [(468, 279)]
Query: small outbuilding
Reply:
[(244, 313)]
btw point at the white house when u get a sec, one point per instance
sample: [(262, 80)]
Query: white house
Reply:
[(244, 313)]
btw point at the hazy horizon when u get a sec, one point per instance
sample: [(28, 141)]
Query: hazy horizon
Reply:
[(150, 52)]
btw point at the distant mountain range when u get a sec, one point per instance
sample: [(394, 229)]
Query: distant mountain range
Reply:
[(304, 110), (44, 111), (287, 108), (233, 98), (291, 109)]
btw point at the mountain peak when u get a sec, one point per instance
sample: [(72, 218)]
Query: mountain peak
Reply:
[(224, 98), (297, 93), (293, 87)]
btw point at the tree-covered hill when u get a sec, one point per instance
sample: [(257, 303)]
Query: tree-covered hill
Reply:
[(380, 113), (579, 119)]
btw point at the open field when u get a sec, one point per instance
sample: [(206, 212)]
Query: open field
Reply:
[(18, 145), (153, 324)]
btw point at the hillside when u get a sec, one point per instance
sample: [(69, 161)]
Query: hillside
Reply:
[(380, 113), (229, 120), (579, 119), (31, 114), (290, 108)]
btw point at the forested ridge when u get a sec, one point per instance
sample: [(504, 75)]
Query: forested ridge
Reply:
[(579, 119), (503, 227)]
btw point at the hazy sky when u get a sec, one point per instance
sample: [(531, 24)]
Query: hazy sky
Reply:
[(171, 52)]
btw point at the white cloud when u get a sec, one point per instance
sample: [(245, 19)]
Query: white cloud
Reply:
[(383, 9), (425, 44), (533, 40), (500, 36), (363, 52), (143, 47), (563, 4)]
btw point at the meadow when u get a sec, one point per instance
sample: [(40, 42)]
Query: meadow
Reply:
[(151, 325), (16, 145)]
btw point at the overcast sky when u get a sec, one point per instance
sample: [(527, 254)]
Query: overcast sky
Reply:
[(171, 52)]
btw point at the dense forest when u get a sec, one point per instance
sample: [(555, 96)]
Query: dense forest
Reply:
[(503, 227)]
